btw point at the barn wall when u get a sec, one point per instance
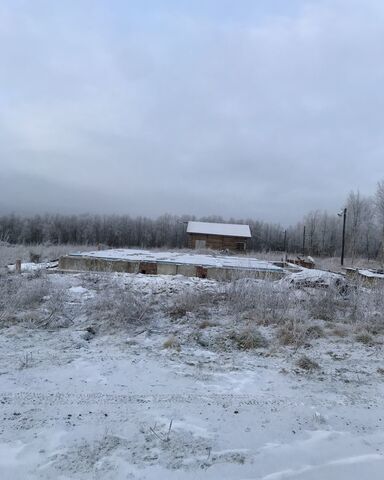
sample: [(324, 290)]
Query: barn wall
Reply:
[(216, 242)]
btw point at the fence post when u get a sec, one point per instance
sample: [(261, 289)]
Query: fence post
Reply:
[(18, 266)]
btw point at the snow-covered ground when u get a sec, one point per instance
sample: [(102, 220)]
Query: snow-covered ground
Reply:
[(32, 266), (371, 274), (80, 400)]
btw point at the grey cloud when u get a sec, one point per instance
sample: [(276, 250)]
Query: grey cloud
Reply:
[(266, 117)]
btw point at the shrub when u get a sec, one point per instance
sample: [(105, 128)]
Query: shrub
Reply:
[(32, 291), (248, 339), (206, 323), (314, 331), (172, 343), (268, 301), (340, 331), (191, 301), (324, 305), (21, 292), (177, 311), (292, 332), (359, 305), (34, 257), (59, 313), (118, 307), (306, 363), (365, 338)]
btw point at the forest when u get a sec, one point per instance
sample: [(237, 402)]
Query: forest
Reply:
[(322, 235)]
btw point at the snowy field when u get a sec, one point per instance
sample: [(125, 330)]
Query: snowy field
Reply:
[(118, 376)]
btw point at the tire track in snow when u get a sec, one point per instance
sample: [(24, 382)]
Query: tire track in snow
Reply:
[(102, 398)]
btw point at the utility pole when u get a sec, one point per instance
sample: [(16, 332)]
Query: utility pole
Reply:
[(343, 238), (285, 245), (304, 240)]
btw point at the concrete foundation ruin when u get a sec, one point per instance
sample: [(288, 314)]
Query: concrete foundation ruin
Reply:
[(170, 263)]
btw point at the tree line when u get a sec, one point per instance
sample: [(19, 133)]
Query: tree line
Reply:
[(322, 235)]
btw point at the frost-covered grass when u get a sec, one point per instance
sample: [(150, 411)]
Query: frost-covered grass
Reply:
[(44, 253), (293, 315), (133, 376)]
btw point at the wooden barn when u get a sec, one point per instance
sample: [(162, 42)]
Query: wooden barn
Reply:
[(218, 236)]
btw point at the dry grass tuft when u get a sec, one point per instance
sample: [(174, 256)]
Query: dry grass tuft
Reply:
[(191, 301), (172, 342), (291, 332), (365, 338), (314, 331), (206, 323), (298, 332), (20, 293), (177, 311), (120, 308), (306, 363), (340, 331), (249, 338), (324, 306)]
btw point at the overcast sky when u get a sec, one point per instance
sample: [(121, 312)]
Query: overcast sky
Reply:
[(263, 109)]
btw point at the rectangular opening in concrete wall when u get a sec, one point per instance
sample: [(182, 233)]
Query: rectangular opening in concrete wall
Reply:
[(148, 268), (201, 272)]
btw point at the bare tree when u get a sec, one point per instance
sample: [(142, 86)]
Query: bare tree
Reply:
[(379, 203), (358, 213)]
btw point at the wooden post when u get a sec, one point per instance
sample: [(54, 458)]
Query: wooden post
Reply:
[(18, 266), (343, 237)]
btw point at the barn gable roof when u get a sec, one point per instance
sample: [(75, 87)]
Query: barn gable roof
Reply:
[(225, 229)]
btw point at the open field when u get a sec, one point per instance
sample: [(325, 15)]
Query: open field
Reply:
[(10, 253), (120, 376)]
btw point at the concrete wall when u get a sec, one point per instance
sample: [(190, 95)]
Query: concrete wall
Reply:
[(81, 264), (186, 270), (167, 268), (89, 264)]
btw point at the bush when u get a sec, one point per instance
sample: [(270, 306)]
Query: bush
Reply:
[(365, 338), (21, 292), (191, 301), (314, 331), (248, 339), (324, 305), (297, 332), (206, 323), (340, 331), (306, 363), (59, 313), (120, 307), (292, 332), (34, 257), (172, 343), (267, 300)]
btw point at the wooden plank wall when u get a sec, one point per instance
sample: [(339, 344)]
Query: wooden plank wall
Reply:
[(215, 242)]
